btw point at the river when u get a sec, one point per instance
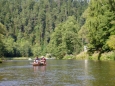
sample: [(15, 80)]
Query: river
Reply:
[(58, 73)]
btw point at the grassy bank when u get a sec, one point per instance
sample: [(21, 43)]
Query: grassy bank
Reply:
[(104, 56)]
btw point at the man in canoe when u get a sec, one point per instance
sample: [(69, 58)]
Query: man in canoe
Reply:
[(36, 60)]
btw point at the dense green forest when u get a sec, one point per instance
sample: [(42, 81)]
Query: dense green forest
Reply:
[(30, 23), (59, 27)]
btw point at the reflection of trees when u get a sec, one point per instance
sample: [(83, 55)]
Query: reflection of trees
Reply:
[(104, 73)]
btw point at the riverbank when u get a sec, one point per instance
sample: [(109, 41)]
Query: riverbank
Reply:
[(81, 56), (20, 58), (104, 56), (13, 58)]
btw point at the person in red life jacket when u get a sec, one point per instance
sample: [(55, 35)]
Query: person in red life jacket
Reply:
[(43, 60)]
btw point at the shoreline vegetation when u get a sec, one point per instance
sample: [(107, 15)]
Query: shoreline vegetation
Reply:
[(86, 56), (81, 56), (104, 56)]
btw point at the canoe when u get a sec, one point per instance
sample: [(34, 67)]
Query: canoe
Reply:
[(38, 64)]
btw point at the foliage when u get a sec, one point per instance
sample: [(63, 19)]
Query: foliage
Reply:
[(64, 39), (29, 24), (36, 50), (111, 42), (108, 56), (69, 57), (2, 32), (82, 55), (105, 56), (99, 17), (9, 45)]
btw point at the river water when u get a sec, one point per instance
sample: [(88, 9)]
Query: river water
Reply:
[(58, 73)]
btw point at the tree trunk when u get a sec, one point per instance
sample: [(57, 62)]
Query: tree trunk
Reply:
[(114, 54), (99, 56)]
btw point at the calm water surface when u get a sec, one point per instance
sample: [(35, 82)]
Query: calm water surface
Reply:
[(58, 73)]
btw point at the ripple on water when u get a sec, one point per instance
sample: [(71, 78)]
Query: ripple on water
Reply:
[(85, 78), (9, 83)]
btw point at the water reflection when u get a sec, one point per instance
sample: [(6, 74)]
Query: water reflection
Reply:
[(39, 75), (39, 68)]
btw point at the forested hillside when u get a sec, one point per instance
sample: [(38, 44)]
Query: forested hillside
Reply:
[(37, 27)]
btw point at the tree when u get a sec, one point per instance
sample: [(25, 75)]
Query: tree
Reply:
[(2, 32), (65, 39), (99, 16), (8, 43), (111, 42)]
